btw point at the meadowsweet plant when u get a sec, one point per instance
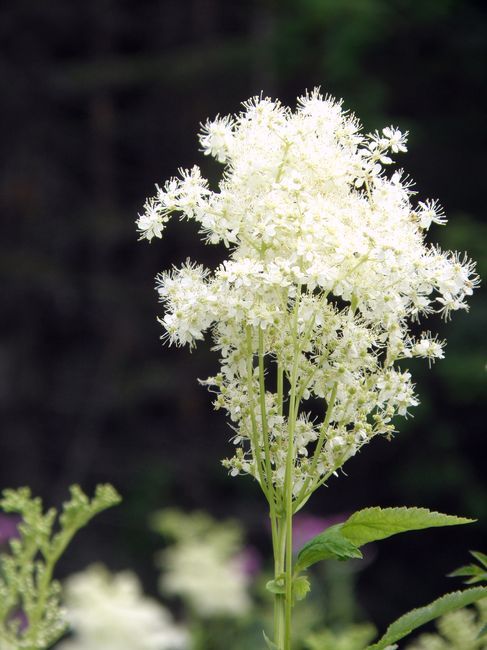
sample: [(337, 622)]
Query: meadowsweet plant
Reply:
[(31, 615), (327, 272)]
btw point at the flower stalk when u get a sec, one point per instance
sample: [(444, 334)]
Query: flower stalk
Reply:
[(328, 268)]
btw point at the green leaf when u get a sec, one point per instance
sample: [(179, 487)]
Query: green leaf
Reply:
[(330, 544), (341, 542), (301, 588), (269, 643), (372, 524), (473, 572), (417, 617), (480, 557)]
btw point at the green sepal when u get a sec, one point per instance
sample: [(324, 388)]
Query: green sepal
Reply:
[(418, 617), (331, 544), (270, 644)]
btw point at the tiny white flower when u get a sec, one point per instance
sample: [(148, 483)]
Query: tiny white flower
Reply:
[(429, 212), (395, 139)]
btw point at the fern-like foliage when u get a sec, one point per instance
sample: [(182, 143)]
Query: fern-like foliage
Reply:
[(31, 617)]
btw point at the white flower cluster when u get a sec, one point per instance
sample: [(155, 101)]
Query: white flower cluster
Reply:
[(203, 566), (109, 612), (328, 267)]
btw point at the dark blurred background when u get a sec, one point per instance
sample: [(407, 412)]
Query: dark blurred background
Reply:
[(100, 100)]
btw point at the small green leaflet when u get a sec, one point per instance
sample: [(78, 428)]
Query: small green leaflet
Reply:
[(417, 617), (480, 557), (372, 524), (269, 643), (474, 573), (330, 544)]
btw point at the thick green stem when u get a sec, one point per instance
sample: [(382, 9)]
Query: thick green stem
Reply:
[(289, 573), (279, 599), (284, 504), (288, 484)]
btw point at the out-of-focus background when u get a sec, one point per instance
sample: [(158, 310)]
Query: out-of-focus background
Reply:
[(102, 99)]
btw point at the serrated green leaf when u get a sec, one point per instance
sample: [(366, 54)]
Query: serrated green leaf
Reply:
[(330, 544), (418, 617), (301, 588), (269, 643), (372, 524)]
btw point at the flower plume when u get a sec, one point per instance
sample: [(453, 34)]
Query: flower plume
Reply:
[(327, 268)]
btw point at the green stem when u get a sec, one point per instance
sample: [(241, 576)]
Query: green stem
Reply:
[(43, 586), (263, 415), (279, 599), (257, 454), (280, 387), (288, 485), (304, 494), (276, 526)]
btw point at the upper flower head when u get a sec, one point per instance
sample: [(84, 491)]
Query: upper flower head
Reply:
[(328, 264)]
